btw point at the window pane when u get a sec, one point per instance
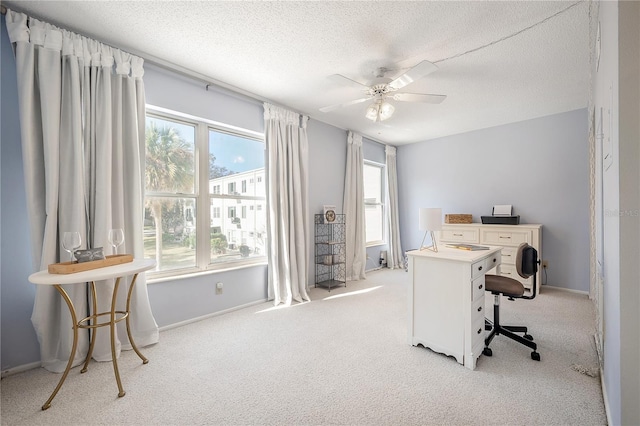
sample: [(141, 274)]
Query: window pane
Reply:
[(237, 192), (170, 159), (170, 232), (237, 237), (373, 206), (373, 222), (235, 155), (372, 183)]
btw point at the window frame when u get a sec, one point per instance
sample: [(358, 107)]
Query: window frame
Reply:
[(382, 168), (201, 194)]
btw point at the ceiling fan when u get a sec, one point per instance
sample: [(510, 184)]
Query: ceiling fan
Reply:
[(385, 89)]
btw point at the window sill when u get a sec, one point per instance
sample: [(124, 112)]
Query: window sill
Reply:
[(193, 273), (376, 243)]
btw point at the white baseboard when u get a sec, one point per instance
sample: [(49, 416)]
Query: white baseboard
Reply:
[(570, 290), (213, 314), (20, 369)]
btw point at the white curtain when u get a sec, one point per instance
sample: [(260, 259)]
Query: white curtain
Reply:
[(288, 206), (354, 208), (82, 128), (395, 257)]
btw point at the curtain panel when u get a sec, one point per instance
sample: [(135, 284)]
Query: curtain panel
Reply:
[(353, 203), (287, 174), (395, 257), (82, 112)]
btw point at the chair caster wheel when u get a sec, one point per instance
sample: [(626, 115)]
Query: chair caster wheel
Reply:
[(535, 356), (528, 337), (488, 352)]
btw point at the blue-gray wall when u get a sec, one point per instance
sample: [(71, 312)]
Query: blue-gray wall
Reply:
[(539, 166), (19, 344)]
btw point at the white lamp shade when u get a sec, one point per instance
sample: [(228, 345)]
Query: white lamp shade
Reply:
[(386, 111), (430, 219)]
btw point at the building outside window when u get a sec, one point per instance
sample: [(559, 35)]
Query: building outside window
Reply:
[(190, 223), (373, 174)]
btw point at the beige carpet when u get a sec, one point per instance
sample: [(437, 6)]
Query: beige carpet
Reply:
[(341, 359)]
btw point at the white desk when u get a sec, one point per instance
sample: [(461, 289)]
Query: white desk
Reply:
[(446, 300), (93, 275)]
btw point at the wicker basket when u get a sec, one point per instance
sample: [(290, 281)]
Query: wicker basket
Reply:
[(458, 218)]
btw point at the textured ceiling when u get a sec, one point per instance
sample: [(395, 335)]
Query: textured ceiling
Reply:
[(534, 61)]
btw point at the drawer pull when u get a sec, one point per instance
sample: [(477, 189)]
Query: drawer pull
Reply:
[(479, 308), (506, 238), (494, 260), (506, 255), (480, 268), (479, 330), (480, 287), (457, 235)]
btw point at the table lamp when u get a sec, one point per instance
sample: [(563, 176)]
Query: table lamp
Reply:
[(430, 221)]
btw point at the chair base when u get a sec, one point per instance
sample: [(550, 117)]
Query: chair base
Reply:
[(507, 331)]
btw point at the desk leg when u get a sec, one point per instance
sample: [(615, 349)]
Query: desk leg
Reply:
[(133, 344), (112, 326), (92, 330), (74, 322)]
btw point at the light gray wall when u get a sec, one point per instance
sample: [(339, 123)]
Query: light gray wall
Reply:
[(539, 166), (616, 87), (19, 344)]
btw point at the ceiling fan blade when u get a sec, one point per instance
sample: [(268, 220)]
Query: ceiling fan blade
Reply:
[(345, 81), (415, 73), (333, 107), (419, 97)]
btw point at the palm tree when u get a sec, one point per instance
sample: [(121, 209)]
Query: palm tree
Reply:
[(169, 168)]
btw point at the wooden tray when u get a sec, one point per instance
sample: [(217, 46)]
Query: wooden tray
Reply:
[(73, 267)]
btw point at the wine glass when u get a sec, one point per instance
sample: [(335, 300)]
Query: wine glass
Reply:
[(70, 242), (116, 238)]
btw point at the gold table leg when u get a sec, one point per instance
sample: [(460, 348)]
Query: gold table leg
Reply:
[(74, 321), (93, 330), (133, 344), (112, 327)]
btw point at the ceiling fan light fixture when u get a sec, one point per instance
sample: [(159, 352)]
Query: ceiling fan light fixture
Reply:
[(372, 111), (379, 111), (386, 110)]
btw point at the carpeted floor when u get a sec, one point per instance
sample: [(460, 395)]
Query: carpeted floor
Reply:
[(341, 359)]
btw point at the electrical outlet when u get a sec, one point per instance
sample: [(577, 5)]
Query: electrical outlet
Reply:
[(219, 287), (545, 264)]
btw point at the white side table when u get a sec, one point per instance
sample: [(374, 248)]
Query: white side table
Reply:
[(117, 271)]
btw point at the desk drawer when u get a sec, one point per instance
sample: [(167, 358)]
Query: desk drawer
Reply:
[(460, 236), (477, 332), (505, 238), (477, 288), (477, 309), (485, 265)]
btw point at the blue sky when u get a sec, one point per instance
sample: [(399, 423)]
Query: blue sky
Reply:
[(236, 153)]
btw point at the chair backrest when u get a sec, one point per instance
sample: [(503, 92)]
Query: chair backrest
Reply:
[(526, 260)]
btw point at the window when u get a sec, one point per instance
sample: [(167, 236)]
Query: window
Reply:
[(189, 223), (373, 206), (234, 159)]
